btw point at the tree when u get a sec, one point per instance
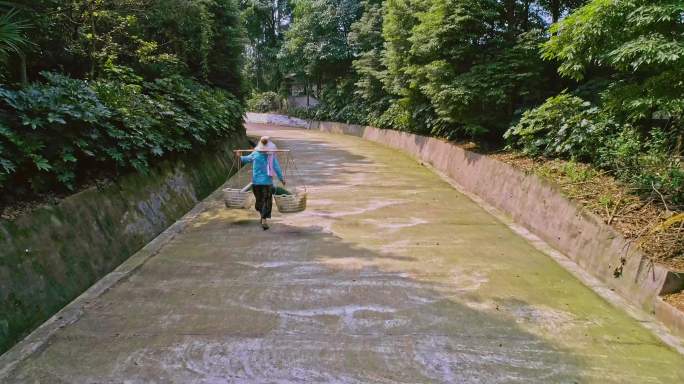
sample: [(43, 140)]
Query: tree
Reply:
[(559, 7), (627, 114), (265, 23), (640, 45), (367, 44), (460, 67), (316, 44), (155, 38), (225, 55)]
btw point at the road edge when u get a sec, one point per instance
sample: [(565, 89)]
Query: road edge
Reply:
[(36, 341), (646, 320)]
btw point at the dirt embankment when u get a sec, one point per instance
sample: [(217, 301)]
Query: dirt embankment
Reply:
[(640, 218)]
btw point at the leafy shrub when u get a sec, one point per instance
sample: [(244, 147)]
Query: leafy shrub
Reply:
[(264, 102), (55, 133), (564, 126), (396, 117), (567, 126), (47, 127), (646, 163), (633, 50)]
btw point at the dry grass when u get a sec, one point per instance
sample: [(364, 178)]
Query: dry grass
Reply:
[(636, 217), (676, 300), (20, 208)]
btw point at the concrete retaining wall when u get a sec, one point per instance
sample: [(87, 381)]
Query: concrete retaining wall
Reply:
[(540, 207), (671, 316), (50, 256)]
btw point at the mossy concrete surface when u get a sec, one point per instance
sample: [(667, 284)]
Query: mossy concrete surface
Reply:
[(539, 206), (390, 276), (50, 256)]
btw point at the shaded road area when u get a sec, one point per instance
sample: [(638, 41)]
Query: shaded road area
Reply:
[(390, 276)]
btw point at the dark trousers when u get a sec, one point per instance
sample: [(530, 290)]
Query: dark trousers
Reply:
[(264, 200)]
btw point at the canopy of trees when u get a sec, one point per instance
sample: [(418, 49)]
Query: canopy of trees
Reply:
[(599, 81), (125, 81)]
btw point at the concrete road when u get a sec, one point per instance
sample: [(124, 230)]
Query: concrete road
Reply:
[(390, 276)]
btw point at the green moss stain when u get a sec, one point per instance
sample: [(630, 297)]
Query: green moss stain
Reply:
[(55, 253)]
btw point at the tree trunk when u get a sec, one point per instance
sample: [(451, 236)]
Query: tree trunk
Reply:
[(257, 58), (22, 69), (555, 10), (306, 90), (92, 43), (319, 86), (510, 18)]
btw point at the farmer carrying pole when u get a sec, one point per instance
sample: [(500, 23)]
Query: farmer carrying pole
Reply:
[(265, 166)]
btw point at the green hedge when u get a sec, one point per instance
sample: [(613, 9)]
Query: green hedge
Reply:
[(63, 131)]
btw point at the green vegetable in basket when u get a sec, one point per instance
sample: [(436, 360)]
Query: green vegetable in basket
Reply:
[(281, 191)]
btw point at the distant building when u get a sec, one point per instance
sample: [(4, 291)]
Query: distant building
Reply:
[(300, 96), (301, 102)]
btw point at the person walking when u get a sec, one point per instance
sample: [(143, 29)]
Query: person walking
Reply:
[(264, 167)]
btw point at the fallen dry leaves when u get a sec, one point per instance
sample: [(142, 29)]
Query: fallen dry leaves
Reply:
[(633, 215)]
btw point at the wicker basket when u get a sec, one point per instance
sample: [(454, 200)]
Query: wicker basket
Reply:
[(236, 198), (291, 203)]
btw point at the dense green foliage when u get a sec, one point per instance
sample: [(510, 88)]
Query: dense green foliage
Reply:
[(265, 22), (564, 126), (107, 86), (629, 59), (447, 68), (65, 130), (201, 39), (598, 81), (316, 44)]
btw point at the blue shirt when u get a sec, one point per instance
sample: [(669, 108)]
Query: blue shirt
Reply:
[(259, 173)]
